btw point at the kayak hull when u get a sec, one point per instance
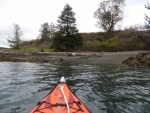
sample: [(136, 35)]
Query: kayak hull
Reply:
[(55, 102)]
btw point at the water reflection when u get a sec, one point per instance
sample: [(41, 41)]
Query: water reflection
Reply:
[(103, 88)]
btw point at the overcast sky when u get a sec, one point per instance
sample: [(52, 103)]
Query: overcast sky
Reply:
[(30, 14)]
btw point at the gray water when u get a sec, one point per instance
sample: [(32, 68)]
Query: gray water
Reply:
[(102, 88)]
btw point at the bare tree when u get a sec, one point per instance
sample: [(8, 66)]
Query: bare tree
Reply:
[(109, 14), (147, 18), (15, 41)]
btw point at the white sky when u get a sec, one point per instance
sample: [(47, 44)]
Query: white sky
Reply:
[(30, 14)]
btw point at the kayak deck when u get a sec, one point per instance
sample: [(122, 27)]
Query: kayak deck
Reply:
[(60, 100)]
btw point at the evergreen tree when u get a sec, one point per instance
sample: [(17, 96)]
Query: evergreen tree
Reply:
[(52, 29), (15, 41), (67, 37), (45, 32)]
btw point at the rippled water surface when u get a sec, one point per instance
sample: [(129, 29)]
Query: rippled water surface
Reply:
[(102, 88)]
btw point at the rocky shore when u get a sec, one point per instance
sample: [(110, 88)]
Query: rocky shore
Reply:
[(43, 57), (141, 59), (120, 58)]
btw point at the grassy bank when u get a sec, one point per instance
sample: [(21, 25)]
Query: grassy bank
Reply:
[(32, 49), (126, 40)]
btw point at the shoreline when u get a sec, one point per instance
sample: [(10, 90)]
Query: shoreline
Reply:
[(69, 57)]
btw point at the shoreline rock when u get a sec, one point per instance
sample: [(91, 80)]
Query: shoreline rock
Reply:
[(141, 59)]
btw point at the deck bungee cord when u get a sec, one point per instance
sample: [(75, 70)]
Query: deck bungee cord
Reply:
[(61, 88), (60, 100)]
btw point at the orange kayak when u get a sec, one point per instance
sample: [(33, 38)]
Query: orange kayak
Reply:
[(60, 100)]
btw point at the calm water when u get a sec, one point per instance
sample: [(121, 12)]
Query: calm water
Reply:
[(102, 88)]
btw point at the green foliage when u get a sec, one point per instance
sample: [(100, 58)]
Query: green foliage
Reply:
[(66, 43), (98, 44), (52, 29), (45, 32), (15, 41), (32, 49), (126, 40), (49, 50), (111, 44), (67, 37), (66, 22)]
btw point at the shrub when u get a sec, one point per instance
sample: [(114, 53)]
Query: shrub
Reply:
[(111, 44)]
